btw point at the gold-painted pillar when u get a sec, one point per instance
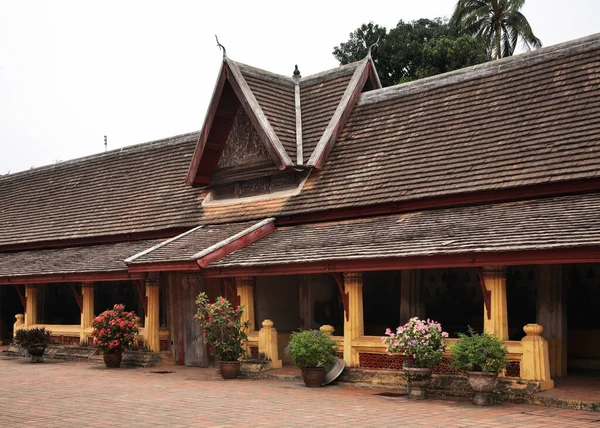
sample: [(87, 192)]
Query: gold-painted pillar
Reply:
[(268, 344), (87, 310), (410, 295), (245, 290), (31, 305), (535, 363), (152, 321), (353, 324), (495, 282), (552, 315)]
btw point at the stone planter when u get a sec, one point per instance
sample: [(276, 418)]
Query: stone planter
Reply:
[(112, 360), (229, 369), (313, 377), (482, 383), (37, 352), (418, 380)]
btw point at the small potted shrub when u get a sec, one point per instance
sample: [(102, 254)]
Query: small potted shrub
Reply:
[(312, 351), (114, 332), (34, 340), (482, 357), (224, 331), (422, 343)]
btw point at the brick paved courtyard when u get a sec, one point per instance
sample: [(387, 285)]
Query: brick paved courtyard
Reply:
[(67, 394)]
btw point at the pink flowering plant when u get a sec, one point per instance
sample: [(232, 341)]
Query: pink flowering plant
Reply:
[(223, 329), (421, 341), (114, 330)]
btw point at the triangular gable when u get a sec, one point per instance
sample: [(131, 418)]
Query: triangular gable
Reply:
[(363, 79), (230, 92)]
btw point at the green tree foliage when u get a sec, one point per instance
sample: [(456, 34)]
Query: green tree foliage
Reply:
[(499, 23), (412, 50)]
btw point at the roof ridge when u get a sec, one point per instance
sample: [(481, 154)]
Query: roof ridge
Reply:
[(331, 71), (133, 148), (277, 76), (482, 70)]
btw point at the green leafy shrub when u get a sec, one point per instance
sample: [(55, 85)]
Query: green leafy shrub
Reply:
[(27, 338), (311, 348), (223, 328), (479, 353)]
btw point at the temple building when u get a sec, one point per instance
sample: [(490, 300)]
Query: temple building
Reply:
[(327, 201)]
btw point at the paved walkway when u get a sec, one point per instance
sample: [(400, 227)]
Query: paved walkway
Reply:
[(67, 394)]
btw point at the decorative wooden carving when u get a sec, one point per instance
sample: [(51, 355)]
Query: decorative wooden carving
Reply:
[(78, 297), (487, 294), (243, 145), (139, 285), (345, 297), (21, 296)]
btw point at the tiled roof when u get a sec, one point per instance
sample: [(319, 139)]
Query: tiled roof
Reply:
[(135, 189), (525, 120), (275, 95), (93, 258), (185, 246), (552, 223)]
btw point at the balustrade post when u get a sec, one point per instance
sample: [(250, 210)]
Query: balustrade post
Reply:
[(268, 342), (535, 364)]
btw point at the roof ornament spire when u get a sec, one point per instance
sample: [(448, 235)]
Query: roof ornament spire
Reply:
[(372, 46), (221, 47), (296, 71)]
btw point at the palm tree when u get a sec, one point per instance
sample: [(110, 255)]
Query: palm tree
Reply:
[(498, 22)]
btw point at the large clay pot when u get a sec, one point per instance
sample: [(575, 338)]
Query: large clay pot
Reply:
[(313, 377), (418, 380), (482, 383), (112, 360), (229, 369), (37, 353)]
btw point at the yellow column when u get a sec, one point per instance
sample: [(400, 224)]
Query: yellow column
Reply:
[(354, 325), (19, 322), (535, 363), (152, 322), (495, 281), (267, 344), (551, 314), (87, 310), (31, 305), (245, 290)]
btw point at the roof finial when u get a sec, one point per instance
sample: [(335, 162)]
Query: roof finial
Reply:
[(373, 45), (105, 143), (221, 47), (296, 71)]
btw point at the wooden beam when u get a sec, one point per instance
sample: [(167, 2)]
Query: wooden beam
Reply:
[(139, 286), (515, 258), (72, 277), (178, 266), (339, 280), (21, 296), (78, 297), (470, 198)]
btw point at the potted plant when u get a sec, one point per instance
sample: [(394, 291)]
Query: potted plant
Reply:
[(482, 357), (422, 343), (113, 332), (223, 331), (34, 340), (312, 351)]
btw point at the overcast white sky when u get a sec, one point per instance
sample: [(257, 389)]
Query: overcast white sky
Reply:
[(74, 71)]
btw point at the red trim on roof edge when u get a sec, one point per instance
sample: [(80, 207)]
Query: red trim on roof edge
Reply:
[(472, 198), (73, 277), (572, 255), (239, 243), (185, 265)]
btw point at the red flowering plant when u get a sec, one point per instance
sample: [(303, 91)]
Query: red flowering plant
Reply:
[(114, 330), (223, 329)]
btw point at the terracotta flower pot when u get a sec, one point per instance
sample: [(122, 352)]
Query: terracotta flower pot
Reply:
[(37, 352), (229, 369), (418, 379), (112, 360), (313, 377), (482, 383)]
